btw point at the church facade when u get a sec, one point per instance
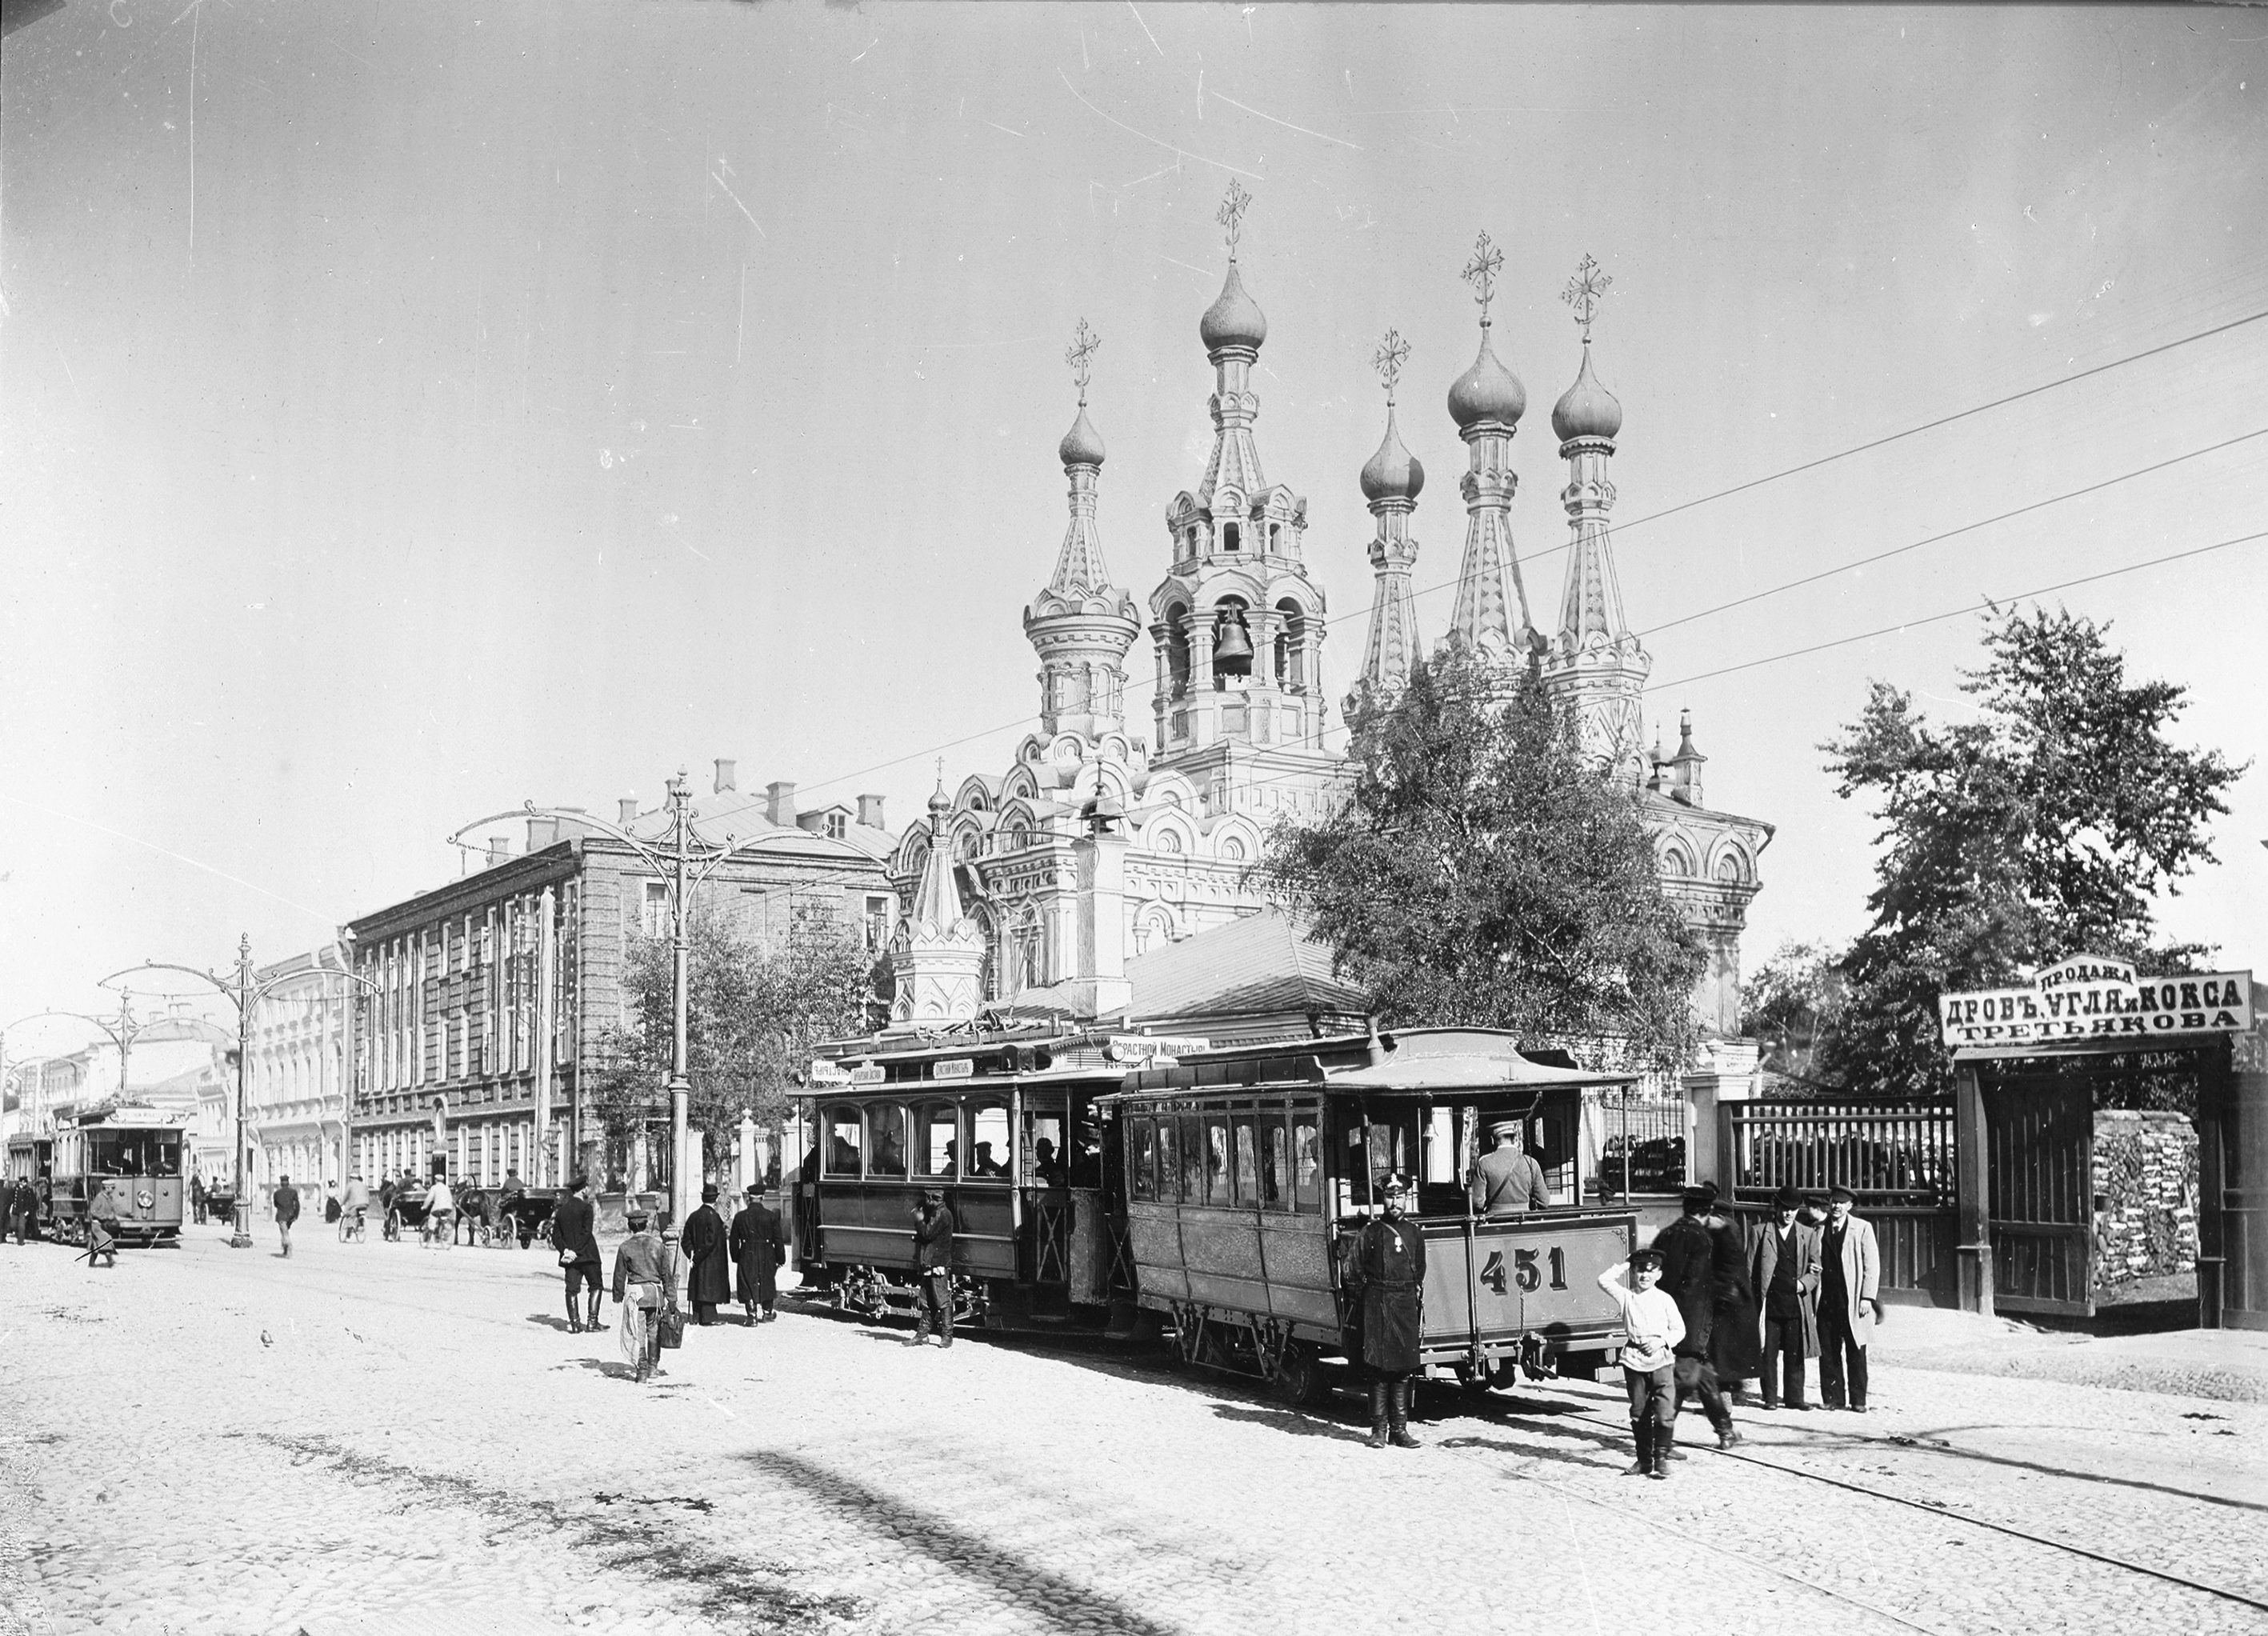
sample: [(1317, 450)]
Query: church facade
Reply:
[(1234, 737)]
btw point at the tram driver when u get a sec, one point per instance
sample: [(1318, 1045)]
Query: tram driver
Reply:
[(1507, 1181)]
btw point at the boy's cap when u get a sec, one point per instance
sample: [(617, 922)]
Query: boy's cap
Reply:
[(1646, 1259), (933, 1195)]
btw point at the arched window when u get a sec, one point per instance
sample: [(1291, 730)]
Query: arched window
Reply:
[(1168, 841), (1230, 540), (1233, 849), (1177, 648), (1291, 646)]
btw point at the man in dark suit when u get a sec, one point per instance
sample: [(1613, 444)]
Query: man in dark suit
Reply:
[(707, 1283), (1690, 1278), (574, 1234), (757, 1254), (1784, 1266)]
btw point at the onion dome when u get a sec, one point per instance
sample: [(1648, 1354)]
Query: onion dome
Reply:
[(1393, 473), (1487, 391), (1082, 445), (1234, 319), (1588, 409)]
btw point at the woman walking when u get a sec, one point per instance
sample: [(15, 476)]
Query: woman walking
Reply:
[(646, 1281)]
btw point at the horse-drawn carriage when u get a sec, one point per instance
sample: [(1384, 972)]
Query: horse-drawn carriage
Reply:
[(485, 1216)]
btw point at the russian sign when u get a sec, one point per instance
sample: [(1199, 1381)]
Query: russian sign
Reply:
[(1160, 1049), (869, 1074), (2089, 999), (953, 1068), (825, 1070)]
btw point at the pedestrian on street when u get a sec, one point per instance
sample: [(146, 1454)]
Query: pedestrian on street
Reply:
[(1732, 1334), (573, 1231), (1506, 1182), (1690, 1278), (1390, 1264), (197, 1199), (932, 1268), (441, 1213), (646, 1282), (102, 1227), (757, 1256), (514, 1193), (1655, 1328), (1850, 1280), (9, 1222), (1785, 1266), (709, 1277), (287, 1212)]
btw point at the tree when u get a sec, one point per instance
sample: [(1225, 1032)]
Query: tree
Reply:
[(753, 1009), (1484, 872), (1793, 1003), (2049, 825)]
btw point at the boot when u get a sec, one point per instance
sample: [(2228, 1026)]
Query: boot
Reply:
[(945, 1336), (1728, 1435), (920, 1331), (1664, 1450), (1642, 1438), (574, 1317), (591, 1319), (1378, 1399), (1398, 1409)]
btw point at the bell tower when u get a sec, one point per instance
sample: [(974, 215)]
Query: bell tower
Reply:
[(1238, 624)]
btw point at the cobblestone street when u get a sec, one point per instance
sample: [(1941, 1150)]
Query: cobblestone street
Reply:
[(386, 1436)]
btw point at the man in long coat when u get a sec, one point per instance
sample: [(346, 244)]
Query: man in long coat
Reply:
[(1389, 1262), (1784, 1267), (1688, 1277), (574, 1235), (934, 1227), (1850, 1272), (757, 1254), (1733, 1336), (709, 1282)]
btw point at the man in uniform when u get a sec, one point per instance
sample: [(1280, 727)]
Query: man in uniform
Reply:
[(1506, 1182), (1690, 1278), (932, 1268), (573, 1235), (708, 1281), (1389, 1263), (757, 1254)]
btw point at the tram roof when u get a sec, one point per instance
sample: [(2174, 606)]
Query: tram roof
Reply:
[(1424, 1064)]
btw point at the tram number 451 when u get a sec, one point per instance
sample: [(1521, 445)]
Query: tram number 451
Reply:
[(1525, 1271)]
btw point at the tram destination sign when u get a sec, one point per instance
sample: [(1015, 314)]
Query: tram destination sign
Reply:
[(2090, 998)]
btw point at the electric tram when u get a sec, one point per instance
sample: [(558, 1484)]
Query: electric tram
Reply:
[(134, 1152), (1212, 1196)]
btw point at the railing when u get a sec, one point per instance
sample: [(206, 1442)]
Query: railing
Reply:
[(1636, 1142)]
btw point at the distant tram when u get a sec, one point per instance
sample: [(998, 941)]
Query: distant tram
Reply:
[(1211, 1195), (134, 1152)]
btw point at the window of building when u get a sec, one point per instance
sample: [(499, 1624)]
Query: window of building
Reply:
[(880, 910), (653, 909), (838, 826), (1230, 540)]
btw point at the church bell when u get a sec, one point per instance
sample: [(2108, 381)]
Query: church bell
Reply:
[(1231, 648)]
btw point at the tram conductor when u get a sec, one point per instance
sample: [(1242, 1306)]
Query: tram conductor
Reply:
[(1390, 1263), (1507, 1181)]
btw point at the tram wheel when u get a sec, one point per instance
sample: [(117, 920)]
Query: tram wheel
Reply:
[(1300, 1379)]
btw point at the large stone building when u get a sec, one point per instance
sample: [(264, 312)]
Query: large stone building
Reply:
[(490, 998), (296, 1108), (1239, 706)]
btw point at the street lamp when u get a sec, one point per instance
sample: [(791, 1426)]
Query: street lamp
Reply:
[(673, 856), (123, 1036), (244, 994)]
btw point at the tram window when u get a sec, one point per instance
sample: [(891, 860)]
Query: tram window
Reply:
[(1216, 1156), (988, 1140), (885, 1139), (1143, 1182), (1045, 1164), (936, 1129), (1248, 1162), (1169, 1160), (843, 1133), (1193, 1184), (1085, 1149), (1307, 1165), (1274, 1163)]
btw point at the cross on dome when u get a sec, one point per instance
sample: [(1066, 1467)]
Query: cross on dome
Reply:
[(1583, 292), (1231, 214), (1480, 273), (1393, 352), (1079, 356)]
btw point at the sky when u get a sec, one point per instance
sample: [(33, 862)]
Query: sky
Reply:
[(409, 409)]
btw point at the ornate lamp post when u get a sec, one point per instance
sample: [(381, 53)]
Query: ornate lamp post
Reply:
[(244, 994), (683, 858)]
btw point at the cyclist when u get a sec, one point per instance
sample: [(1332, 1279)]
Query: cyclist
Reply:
[(354, 1207)]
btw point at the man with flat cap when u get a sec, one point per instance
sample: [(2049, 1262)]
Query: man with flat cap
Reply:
[(1850, 1281), (1389, 1267), (1506, 1182), (709, 1276), (1784, 1269), (932, 1268)]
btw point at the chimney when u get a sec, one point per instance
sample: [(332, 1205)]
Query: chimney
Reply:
[(780, 795), (724, 775), (541, 832), (626, 811), (499, 849), (870, 812)]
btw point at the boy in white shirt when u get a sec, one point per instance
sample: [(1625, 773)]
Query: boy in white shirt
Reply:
[(1649, 1365)]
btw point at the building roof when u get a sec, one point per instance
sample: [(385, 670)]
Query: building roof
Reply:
[(1264, 962)]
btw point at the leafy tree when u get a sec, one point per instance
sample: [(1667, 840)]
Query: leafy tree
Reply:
[(1484, 871), (753, 1009), (1793, 1003), (2049, 825)]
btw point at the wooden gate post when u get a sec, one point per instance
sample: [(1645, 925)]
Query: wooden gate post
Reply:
[(1972, 1183)]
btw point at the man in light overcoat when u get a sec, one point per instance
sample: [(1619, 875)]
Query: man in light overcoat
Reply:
[(1783, 1271), (1850, 1272)]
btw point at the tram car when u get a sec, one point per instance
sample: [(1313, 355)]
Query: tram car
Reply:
[(137, 1153), (31, 1159), (1212, 1196)]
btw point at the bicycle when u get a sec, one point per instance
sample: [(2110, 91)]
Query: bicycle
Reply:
[(354, 1226)]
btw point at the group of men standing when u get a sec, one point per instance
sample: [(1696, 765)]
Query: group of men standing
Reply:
[(19, 1207)]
